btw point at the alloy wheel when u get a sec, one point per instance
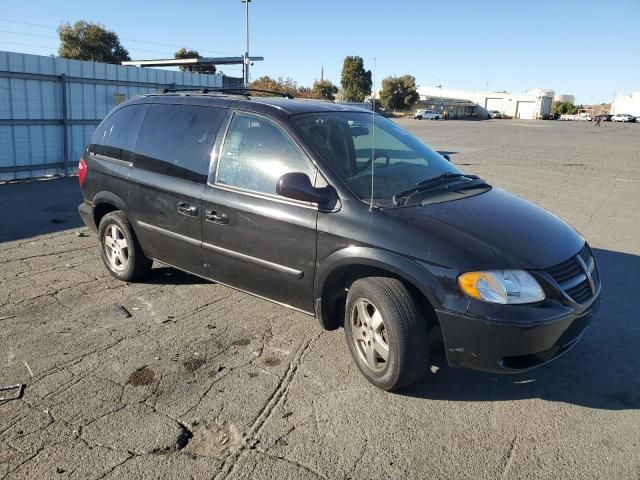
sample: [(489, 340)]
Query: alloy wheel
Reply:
[(369, 334), (116, 248)]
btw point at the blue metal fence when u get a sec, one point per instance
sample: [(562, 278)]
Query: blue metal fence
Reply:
[(49, 107)]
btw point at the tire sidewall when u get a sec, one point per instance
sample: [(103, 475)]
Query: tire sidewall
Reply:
[(112, 219)]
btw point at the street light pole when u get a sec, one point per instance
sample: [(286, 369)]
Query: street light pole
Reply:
[(245, 69)]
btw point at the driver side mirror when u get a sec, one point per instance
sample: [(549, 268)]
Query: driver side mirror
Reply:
[(297, 186)]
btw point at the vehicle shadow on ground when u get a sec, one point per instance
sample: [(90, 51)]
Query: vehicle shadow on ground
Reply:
[(28, 209), (602, 371), (164, 275)]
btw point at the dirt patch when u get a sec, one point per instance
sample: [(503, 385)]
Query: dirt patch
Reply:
[(194, 362), (272, 361), (213, 440), (243, 342), (142, 376)]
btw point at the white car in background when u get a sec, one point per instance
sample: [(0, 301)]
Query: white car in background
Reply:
[(622, 117), (427, 115)]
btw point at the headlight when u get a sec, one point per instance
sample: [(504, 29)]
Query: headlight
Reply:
[(501, 286)]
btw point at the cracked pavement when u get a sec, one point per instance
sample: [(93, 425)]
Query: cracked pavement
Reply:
[(206, 382)]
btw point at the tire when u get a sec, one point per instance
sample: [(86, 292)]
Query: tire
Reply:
[(437, 118), (403, 331), (120, 249)]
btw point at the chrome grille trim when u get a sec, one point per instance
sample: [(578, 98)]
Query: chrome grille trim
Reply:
[(577, 276)]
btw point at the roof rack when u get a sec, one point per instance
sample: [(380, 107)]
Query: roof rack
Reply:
[(237, 90)]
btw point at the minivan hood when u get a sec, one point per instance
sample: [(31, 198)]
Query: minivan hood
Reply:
[(511, 227)]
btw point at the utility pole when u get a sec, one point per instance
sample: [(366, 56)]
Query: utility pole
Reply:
[(245, 65)]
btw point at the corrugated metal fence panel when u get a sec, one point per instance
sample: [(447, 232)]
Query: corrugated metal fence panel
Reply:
[(31, 110)]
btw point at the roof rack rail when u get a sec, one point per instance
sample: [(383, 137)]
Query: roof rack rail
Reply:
[(187, 89), (237, 90)]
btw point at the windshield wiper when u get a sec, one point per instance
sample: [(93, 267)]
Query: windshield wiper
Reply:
[(400, 198), (447, 176)]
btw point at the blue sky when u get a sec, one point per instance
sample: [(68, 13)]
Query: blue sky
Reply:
[(587, 48)]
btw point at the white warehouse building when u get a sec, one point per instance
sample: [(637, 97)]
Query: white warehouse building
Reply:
[(533, 104), (629, 104)]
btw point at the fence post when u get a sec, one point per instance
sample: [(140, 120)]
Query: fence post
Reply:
[(65, 133)]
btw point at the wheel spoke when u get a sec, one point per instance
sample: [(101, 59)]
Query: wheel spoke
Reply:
[(380, 347), (370, 354), (122, 243), (363, 315), (122, 259), (357, 333), (376, 322), (114, 233)]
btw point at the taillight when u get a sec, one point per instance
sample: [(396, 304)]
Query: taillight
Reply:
[(82, 170)]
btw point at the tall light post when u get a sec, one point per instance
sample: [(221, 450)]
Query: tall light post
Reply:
[(245, 69)]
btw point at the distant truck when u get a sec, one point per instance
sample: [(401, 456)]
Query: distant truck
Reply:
[(427, 115)]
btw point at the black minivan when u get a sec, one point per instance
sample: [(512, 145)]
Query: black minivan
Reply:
[(343, 215)]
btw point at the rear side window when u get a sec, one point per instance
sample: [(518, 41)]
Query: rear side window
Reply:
[(177, 140), (256, 153), (116, 136)]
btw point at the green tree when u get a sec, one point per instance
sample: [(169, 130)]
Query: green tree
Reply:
[(90, 41), (324, 89), (399, 93), (267, 83), (566, 108), (355, 80), (184, 53)]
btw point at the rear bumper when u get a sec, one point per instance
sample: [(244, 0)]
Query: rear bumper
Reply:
[(85, 209), (501, 347)]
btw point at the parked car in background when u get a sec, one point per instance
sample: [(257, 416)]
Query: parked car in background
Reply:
[(638, 119), (622, 117), (604, 117), (495, 114), (341, 215), (584, 117), (427, 115)]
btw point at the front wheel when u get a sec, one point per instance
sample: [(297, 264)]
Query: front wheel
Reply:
[(386, 332), (119, 248)]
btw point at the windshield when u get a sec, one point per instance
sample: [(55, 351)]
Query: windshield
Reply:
[(345, 142)]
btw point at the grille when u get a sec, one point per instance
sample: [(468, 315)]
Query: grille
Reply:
[(572, 278)]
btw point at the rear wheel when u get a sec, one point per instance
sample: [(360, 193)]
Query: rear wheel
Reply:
[(386, 332), (119, 248)]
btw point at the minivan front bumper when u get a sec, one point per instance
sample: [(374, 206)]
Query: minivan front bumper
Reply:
[(509, 346)]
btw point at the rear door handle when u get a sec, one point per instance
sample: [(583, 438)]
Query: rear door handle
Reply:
[(216, 217), (187, 209)]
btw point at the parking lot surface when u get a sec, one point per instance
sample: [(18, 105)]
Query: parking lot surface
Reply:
[(202, 381)]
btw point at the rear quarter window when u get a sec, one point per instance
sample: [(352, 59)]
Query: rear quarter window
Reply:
[(177, 140), (116, 135)]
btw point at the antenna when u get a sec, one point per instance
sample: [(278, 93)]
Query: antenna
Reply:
[(373, 130)]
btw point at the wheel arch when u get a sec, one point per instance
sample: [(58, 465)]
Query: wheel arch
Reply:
[(346, 266), (106, 202)]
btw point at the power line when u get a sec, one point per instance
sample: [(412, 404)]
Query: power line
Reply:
[(122, 38), (25, 45), (54, 37)]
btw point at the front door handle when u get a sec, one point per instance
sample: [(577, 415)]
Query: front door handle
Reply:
[(216, 217), (187, 209)]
